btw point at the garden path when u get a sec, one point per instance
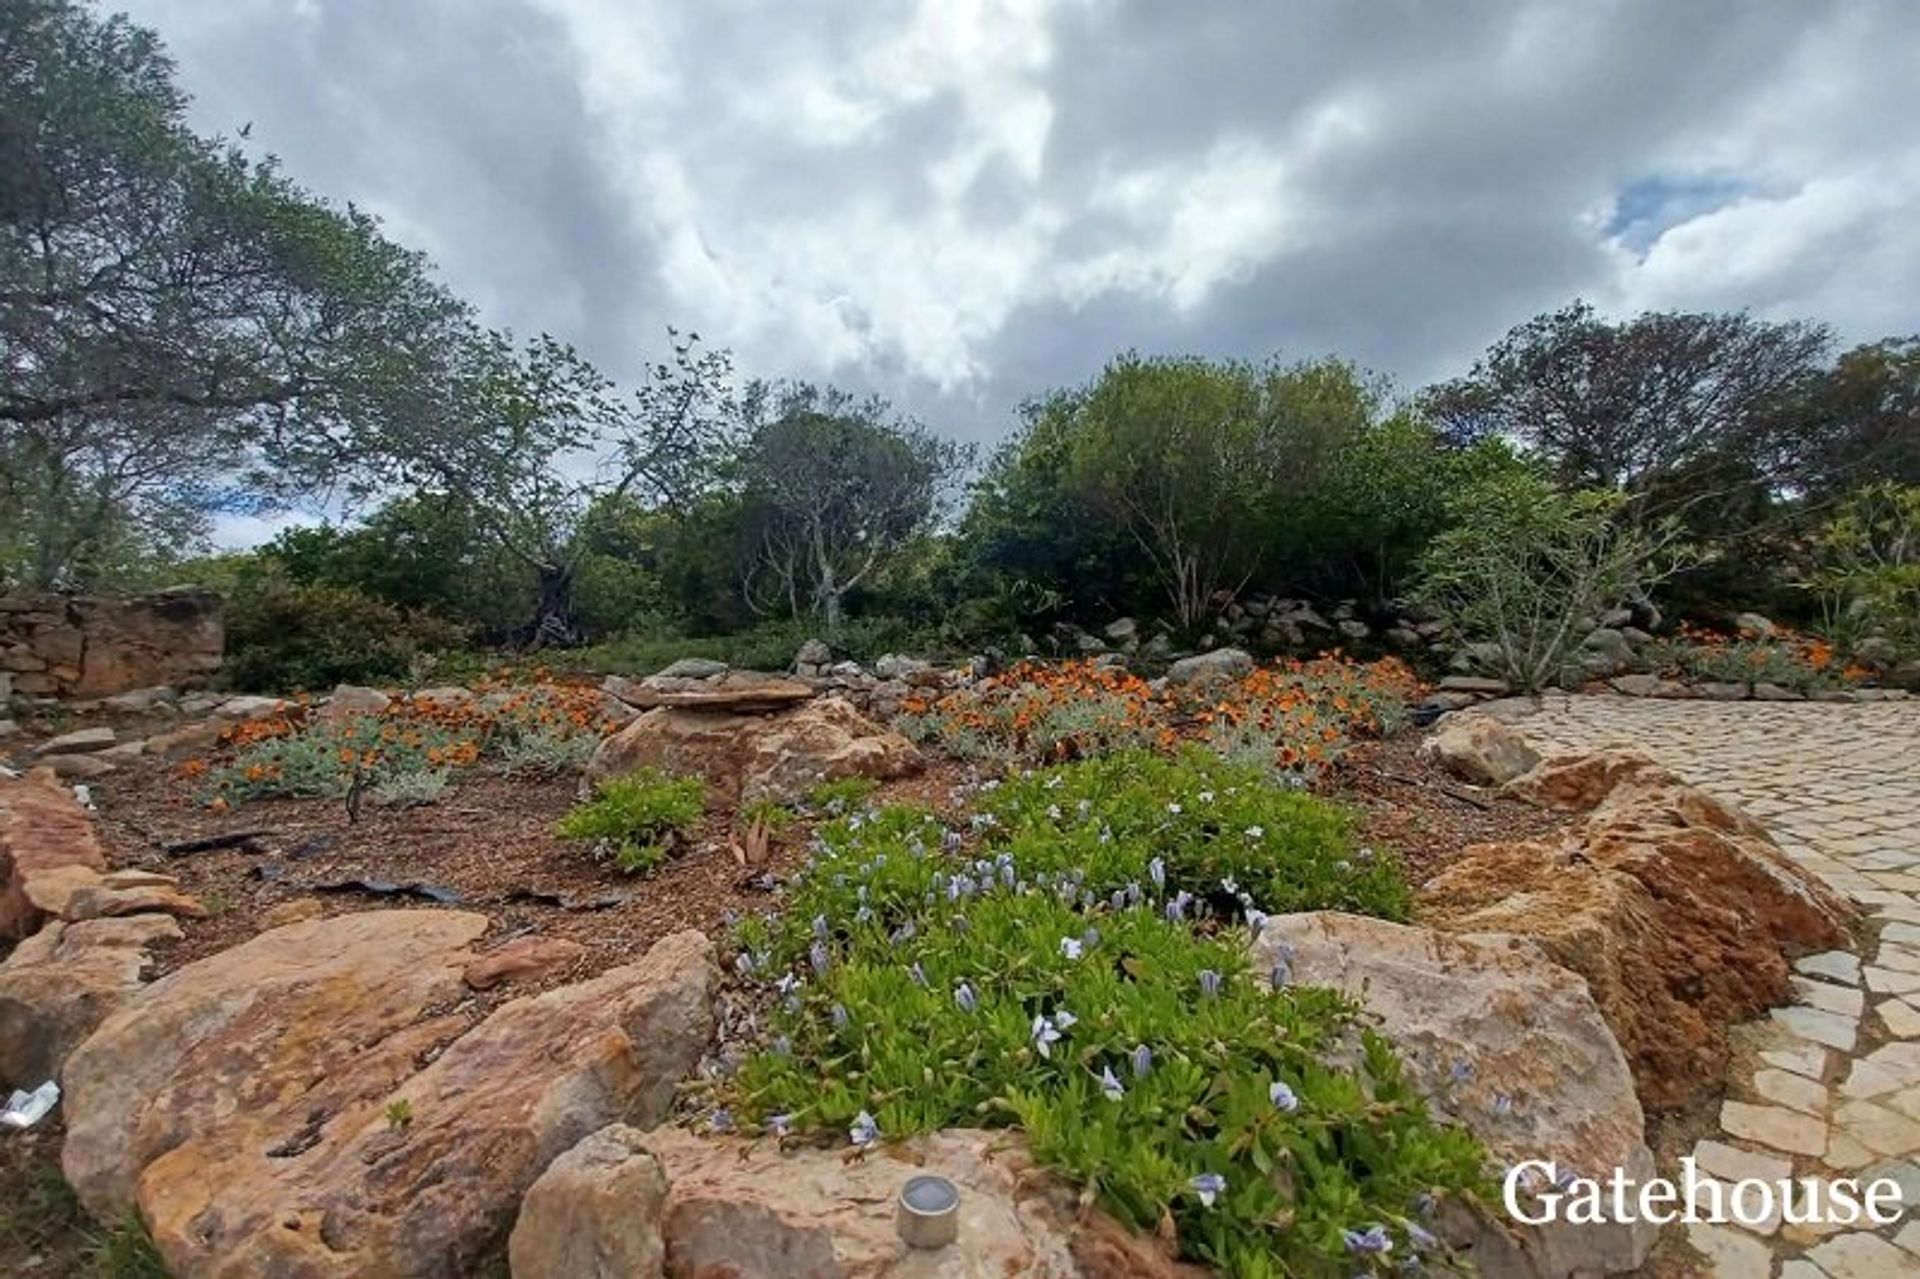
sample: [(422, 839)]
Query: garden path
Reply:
[(1832, 1084)]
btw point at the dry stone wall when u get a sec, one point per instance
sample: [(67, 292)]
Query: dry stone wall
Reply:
[(95, 646)]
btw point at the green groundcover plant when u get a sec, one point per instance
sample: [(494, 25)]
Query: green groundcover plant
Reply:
[(1072, 961), (637, 817)]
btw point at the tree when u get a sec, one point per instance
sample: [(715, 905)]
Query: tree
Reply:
[(1859, 422), (181, 330), (1528, 566), (835, 489), (1670, 408), (1195, 458), (533, 443)]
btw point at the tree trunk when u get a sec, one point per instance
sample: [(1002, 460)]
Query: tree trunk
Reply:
[(553, 625)]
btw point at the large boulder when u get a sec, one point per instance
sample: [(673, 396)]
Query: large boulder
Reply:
[(1480, 750), (1503, 1040), (267, 1111), (1220, 664), (751, 1211), (1679, 910), (62, 982), (45, 837), (747, 756)]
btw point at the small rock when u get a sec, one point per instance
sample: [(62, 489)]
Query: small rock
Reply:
[(1220, 664), (1474, 684), (1480, 750), (1722, 691), (1121, 630), (693, 668), (295, 911), (140, 701), (184, 740), (814, 653), (1753, 624), (79, 742), (893, 666), (240, 710), (1776, 693), (595, 1213), (351, 701), (523, 958), (76, 767)]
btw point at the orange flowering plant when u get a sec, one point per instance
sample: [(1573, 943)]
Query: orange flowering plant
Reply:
[(1787, 658), (1293, 714), (414, 739)]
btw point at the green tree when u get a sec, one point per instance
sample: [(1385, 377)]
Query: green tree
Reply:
[(834, 491), (1859, 423), (182, 330)]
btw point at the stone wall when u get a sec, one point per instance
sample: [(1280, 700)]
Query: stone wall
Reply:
[(95, 646)]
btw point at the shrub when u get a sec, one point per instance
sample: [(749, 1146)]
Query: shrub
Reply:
[(283, 636), (1527, 566), (412, 789), (1868, 574), (1786, 658), (922, 983), (636, 818)]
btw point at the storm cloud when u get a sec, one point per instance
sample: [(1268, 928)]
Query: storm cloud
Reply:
[(962, 203)]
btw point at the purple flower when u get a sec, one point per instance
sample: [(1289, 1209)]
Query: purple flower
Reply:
[(787, 984), (1064, 1019), (964, 996), (817, 955), (1157, 872), (1282, 1097), (917, 974), (1208, 1186), (1209, 983), (1110, 1084), (1070, 947), (1045, 1035), (820, 927), (1424, 1240), (864, 1131), (780, 1125), (839, 1014), (1373, 1241), (721, 1120), (1142, 1062)]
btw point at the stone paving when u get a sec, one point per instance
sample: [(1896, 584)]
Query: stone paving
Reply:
[(1830, 1086)]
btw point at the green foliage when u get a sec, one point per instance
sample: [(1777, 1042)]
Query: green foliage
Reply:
[(283, 636), (321, 759), (767, 813), (546, 749), (1527, 566), (842, 795), (928, 984), (637, 817), (1868, 566), (412, 789), (41, 1218)]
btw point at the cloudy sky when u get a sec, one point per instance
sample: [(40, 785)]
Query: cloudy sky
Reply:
[(961, 202)]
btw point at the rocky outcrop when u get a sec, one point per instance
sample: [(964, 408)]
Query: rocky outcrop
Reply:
[(1503, 1040), (1480, 750), (294, 1106), (1678, 910), (724, 690), (747, 756), (712, 1208), (45, 837), (92, 646), (59, 985)]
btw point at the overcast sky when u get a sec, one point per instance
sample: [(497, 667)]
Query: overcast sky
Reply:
[(959, 203)]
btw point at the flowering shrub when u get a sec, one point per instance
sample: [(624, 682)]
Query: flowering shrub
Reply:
[(1297, 714), (1785, 657), (541, 724), (1080, 973), (635, 819)]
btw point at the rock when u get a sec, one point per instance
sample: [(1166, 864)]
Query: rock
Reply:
[(75, 892), (141, 701), (1121, 630), (298, 910), (242, 710), (1220, 664), (1158, 648), (814, 653), (1481, 655), (1721, 691), (1304, 615), (1764, 692), (1480, 750), (1402, 637), (1635, 636), (86, 646), (524, 958), (1677, 909), (743, 691), (1477, 1019), (1353, 628), (1610, 644), (446, 697), (79, 742), (351, 701), (1616, 618), (595, 1213), (693, 668), (742, 1210), (744, 756), (892, 666), (1474, 684), (185, 740), (1753, 624), (45, 835), (1648, 686), (266, 1112), (62, 982), (9, 728), (70, 768)]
